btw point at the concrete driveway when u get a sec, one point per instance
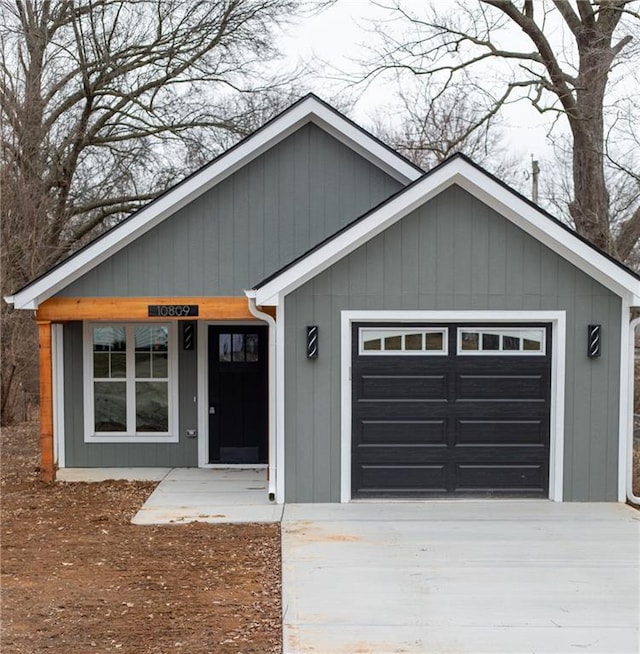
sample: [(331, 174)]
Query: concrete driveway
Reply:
[(441, 577)]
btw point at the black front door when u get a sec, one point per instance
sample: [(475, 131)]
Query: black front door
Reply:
[(237, 394)]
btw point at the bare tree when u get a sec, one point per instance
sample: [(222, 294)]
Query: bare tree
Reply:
[(435, 124), (102, 105), (565, 70)]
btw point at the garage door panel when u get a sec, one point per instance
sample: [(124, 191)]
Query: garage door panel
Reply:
[(390, 479), (402, 432), (403, 388), (501, 388), (405, 455), (499, 433), (514, 478)]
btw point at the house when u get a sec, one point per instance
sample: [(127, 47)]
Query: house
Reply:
[(312, 302)]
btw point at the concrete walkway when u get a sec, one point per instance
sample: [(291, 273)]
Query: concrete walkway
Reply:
[(477, 577), (210, 495)]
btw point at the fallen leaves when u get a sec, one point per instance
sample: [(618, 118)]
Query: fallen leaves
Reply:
[(77, 576)]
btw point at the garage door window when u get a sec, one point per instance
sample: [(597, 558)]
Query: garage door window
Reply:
[(513, 341), (393, 341)]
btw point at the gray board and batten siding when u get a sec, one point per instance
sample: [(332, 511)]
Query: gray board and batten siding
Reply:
[(254, 222), (248, 226), (453, 253)]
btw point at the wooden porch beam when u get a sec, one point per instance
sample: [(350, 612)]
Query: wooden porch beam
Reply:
[(63, 309), (47, 467)]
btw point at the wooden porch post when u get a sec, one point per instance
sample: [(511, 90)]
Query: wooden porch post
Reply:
[(47, 469)]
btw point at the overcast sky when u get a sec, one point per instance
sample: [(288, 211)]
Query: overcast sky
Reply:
[(340, 36)]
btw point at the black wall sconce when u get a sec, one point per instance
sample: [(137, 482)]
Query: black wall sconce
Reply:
[(594, 345), (188, 335), (312, 342)]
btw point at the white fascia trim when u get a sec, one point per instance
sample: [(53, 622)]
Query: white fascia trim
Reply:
[(487, 190), (311, 110), (57, 356), (558, 366)]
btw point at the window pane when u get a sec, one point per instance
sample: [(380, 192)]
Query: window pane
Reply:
[(532, 345), (434, 342), (101, 364), (143, 364), (413, 341), (224, 348), (238, 347), (118, 364), (251, 344), (152, 406), (490, 341), (144, 339), (510, 343), (372, 343), (160, 366), (470, 341), (372, 340), (109, 339), (110, 399), (393, 343), (160, 342), (152, 338)]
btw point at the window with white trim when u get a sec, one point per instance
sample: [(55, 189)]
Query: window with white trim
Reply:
[(394, 341), (501, 341), (130, 385)]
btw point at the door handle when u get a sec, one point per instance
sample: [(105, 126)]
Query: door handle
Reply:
[(212, 410)]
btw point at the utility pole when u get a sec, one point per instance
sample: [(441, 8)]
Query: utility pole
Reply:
[(535, 173)]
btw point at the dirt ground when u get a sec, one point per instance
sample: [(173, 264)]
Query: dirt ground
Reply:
[(78, 577)]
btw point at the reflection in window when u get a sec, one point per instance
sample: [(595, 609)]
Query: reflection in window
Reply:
[(393, 343), (152, 403), (490, 341), (238, 348), (152, 352), (470, 341), (109, 352), (110, 406), (224, 353), (251, 345), (413, 341)]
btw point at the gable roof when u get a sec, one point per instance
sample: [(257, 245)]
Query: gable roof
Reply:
[(309, 109), (459, 170)]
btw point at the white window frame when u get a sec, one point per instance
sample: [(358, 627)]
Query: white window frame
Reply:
[(500, 353), (170, 436), (403, 331)]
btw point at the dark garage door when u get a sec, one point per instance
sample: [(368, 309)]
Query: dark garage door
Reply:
[(450, 410)]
